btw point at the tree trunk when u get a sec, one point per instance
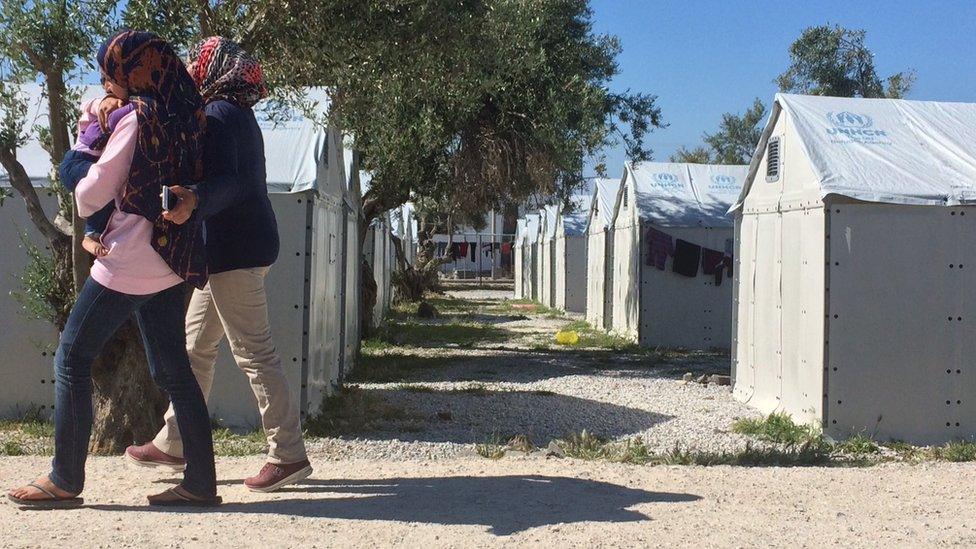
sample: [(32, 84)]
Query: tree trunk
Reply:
[(368, 301), (373, 206), (128, 406)]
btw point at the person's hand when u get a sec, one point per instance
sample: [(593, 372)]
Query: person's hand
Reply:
[(105, 108), (185, 204), (94, 247)]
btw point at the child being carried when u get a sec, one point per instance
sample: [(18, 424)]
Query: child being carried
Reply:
[(86, 151)]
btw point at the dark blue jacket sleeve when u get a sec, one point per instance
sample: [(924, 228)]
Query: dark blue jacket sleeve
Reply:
[(220, 187)]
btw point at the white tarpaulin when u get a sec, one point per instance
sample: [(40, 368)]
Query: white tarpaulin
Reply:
[(886, 150), (605, 194), (685, 195), (574, 220)]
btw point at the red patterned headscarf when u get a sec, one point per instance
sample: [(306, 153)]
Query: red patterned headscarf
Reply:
[(169, 150), (221, 69)]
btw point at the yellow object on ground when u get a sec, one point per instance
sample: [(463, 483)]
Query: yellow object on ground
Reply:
[(569, 337)]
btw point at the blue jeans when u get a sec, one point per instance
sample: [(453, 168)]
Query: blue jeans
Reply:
[(73, 169), (97, 314)]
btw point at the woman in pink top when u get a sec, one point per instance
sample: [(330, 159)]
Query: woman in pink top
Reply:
[(148, 258)]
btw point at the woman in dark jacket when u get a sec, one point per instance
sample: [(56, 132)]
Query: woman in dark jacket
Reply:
[(242, 243)]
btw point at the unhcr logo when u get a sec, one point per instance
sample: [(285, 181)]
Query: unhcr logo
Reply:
[(724, 183), (666, 180), (853, 125)]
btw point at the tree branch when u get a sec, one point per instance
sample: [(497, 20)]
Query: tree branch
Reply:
[(20, 181)]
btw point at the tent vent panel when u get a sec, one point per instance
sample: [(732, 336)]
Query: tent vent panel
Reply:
[(772, 160)]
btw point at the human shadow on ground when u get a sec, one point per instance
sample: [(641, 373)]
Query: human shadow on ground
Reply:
[(504, 504)]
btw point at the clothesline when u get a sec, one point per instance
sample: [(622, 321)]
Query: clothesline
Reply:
[(687, 256)]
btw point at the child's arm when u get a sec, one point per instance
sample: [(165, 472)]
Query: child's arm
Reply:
[(108, 176), (89, 114)]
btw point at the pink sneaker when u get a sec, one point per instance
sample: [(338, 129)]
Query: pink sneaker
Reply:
[(148, 455), (276, 475)]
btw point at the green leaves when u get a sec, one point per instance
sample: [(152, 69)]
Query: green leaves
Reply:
[(733, 143), (835, 61)]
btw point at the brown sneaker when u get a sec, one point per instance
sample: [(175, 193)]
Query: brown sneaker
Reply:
[(276, 475), (148, 455)]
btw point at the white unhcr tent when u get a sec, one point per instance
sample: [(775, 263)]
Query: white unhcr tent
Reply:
[(547, 255), (517, 255), (856, 236), (677, 208), (405, 228), (305, 287), (599, 253), (379, 255), (569, 266), (530, 263)]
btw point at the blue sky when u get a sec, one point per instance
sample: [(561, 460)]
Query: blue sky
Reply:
[(703, 58)]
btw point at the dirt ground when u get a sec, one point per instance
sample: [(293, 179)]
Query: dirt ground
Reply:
[(518, 502), (426, 487)]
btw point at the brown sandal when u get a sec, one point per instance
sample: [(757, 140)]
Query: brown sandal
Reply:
[(52, 501), (180, 497)]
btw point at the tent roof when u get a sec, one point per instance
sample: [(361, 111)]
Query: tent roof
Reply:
[(604, 196), (574, 221), (883, 150), (549, 224), (685, 195), (531, 228), (294, 145)]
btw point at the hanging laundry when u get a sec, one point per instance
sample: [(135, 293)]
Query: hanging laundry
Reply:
[(455, 251), (506, 248), (659, 246), (441, 249), (687, 256), (713, 263), (462, 250), (474, 253)]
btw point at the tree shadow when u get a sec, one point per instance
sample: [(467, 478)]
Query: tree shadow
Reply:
[(504, 504), (475, 414)]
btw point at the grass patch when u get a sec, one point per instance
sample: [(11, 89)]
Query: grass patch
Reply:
[(778, 428), (353, 410), (230, 444), (32, 423), (858, 445), (632, 451), (592, 338), (806, 454), (456, 334), (12, 448), (491, 448), (521, 443), (386, 368), (959, 451), (583, 445)]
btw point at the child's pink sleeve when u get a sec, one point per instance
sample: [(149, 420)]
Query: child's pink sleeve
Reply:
[(106, 177)]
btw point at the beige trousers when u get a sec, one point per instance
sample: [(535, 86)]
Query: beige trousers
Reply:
[(234, 303)]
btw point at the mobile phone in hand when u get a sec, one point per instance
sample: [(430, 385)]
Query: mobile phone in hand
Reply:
[(169, 199)]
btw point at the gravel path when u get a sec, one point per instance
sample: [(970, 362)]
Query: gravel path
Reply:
[(499, 390), (517, 502)]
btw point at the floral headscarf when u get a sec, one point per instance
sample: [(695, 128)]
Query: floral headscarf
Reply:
[(170, 141), (221, 69)]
